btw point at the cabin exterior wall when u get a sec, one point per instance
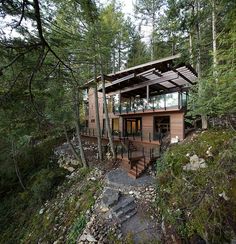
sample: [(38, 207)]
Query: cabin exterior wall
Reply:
[(176, 119)]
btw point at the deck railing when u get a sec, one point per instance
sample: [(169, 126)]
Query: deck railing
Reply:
[(142, 135), (176, 100)]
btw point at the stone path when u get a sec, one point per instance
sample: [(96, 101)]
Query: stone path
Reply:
[(133, 218), (122, 210), (119, 178)]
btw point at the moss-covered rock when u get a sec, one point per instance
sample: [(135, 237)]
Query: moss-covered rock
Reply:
[(193, 202)]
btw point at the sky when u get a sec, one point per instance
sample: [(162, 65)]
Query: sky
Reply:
[(128, 10)]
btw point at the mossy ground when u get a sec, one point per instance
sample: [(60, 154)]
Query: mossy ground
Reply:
[(193, 203), (64, 202)]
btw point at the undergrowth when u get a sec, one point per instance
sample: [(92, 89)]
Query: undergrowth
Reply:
[(202, 202), (66, 200)]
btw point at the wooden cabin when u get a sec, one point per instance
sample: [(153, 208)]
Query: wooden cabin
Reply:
[(146, 104)]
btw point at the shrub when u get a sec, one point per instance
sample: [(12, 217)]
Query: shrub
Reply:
[(43, 183)]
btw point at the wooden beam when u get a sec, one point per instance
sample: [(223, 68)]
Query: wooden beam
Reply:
[(171, 81), (127, 77), (150, 82), (106, 77), (184, 77), (143, 78), (157, 73), (146, 72)]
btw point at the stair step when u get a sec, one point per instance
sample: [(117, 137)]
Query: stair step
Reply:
[(122, 204), (141, 163), (124, 211), (128, 216), (131, 175), (140, 166)]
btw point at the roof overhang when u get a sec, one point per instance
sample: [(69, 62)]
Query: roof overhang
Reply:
[(163, 75)]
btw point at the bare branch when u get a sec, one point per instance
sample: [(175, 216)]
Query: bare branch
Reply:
[(39, 63), (22, 14)]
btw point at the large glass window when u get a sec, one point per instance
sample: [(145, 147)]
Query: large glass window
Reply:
[(172, 99), (116, 103), (133, 126)]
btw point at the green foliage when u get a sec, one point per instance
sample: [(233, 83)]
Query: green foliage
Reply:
[(44, 182), (76, 229), (192, 201)]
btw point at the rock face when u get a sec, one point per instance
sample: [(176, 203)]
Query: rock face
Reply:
[(110, 197), (124, 209), (195, 163)]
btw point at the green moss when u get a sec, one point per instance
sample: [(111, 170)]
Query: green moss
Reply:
[(190, 201)]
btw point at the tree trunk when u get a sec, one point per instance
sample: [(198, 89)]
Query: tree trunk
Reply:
[(191, 47), (75, 154), (97, 117), (198, 66), (77, 126), (18, 174), (214, 41), (152, 38), (119, 56), (107, 117)]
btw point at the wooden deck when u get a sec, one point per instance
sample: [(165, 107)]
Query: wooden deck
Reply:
[(135, 154), (137, 164)]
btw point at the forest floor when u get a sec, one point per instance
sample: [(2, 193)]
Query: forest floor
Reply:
[(102, 204), (137, 223)]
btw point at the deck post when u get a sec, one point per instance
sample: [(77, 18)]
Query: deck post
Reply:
[(149, 134), (178, 100), (165, 101), (119, 102), (147, 93)]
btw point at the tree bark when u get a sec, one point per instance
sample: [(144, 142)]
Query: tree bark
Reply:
[(75, 154), (191, 47), (18, 174), (77, 126), (198, 66), (214, 45), (107, 117), (97, 117)]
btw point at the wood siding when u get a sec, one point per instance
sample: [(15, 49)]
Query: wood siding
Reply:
[(176, 118), (91, 117)]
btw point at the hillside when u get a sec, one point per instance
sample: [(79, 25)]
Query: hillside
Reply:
[(196, 188)]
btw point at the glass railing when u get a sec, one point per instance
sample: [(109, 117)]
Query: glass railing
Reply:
[(164, 101)]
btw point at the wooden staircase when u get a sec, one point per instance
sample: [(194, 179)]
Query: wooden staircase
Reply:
[(135, 160), (138, 168), (135, 166)]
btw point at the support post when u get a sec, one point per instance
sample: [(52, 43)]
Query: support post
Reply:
[(178, 100), (165, 101)]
